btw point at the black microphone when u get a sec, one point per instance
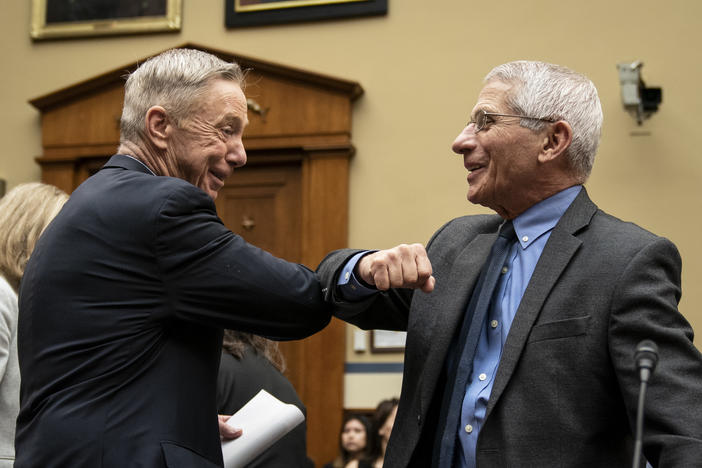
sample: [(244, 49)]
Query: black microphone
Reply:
[(646, 358)]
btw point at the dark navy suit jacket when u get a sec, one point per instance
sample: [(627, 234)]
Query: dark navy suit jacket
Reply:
[(122, 307)]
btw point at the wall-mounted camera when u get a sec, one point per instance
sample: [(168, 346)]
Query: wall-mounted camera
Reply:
[(639, 100)]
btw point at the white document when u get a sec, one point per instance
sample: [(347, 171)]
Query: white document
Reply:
[(264, 420)]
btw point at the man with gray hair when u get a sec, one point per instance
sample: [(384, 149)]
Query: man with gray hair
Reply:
[(123, 303), (523, 354)]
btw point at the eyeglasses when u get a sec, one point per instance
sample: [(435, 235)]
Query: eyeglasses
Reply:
[(481, 119)]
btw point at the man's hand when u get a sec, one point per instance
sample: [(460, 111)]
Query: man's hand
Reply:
[(227, 432), (404, 266)]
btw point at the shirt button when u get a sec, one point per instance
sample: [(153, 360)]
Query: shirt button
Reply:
[(347, 275), (482, 377), (525, 238), (469, 428), (504, 270), (494, 324)]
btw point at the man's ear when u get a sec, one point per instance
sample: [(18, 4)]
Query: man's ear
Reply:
[(157, 126), (558, 138)]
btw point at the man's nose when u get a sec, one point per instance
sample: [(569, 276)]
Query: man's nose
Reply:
[(236, 155), (465, 140)]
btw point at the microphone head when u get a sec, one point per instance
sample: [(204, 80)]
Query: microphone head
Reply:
[(646, 355)]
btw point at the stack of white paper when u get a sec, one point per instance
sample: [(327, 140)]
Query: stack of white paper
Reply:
[(264, 420)]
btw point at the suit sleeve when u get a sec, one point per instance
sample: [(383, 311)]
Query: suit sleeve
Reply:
[(645, 307), (384, 310), (211, 275)]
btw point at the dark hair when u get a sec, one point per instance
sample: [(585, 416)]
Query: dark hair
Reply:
[(381, 414), (344, 456), (235, 342), (383, 410)]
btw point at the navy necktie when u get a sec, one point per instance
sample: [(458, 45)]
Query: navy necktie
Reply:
[(461, 365)]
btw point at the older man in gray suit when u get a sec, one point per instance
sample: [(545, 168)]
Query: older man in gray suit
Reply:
[(523, 354)]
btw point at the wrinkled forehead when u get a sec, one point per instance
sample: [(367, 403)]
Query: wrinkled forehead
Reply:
[(221, 92), (494, 96)]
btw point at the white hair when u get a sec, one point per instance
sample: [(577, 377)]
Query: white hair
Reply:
[(173, 80), (549, 91)]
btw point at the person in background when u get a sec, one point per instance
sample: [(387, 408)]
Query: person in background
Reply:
[(354, 442), (248, 364), (24, 213), (383, 421)]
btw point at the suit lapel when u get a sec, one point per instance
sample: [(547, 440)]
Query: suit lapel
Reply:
[(558, 252)]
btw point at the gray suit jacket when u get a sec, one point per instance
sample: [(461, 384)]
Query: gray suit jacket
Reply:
[(566, 389)]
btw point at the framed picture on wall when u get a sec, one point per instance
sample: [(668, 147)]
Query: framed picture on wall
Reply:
[(53, 19), (242, 13), (387, 341)]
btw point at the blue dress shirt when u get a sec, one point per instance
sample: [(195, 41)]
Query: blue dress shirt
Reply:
[(349, 287)]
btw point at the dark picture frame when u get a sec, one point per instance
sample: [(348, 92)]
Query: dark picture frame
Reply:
[(53, 19), (243, 13)]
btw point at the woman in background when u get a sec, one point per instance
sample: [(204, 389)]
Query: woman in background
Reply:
[(383, 420), (353, 443), (248, 364), (25, 212)]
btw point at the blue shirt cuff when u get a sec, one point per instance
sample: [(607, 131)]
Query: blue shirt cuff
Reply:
[(348, 286)]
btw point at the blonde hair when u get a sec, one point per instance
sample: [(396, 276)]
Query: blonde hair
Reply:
[(25, 211)]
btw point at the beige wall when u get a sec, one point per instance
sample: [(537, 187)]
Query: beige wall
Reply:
[(421, 67)]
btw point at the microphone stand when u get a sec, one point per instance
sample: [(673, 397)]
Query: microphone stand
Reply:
[(646, 358), (639, 425)]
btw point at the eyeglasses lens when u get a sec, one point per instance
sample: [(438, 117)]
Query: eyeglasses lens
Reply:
[(480, 118)]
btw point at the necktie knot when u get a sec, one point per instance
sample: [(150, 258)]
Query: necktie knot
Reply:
[(507, 231)]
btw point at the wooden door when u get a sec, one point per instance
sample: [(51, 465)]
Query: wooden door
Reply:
[(263, 204)]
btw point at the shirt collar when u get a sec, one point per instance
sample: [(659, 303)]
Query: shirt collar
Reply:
[(140, 162), (542, 217)]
